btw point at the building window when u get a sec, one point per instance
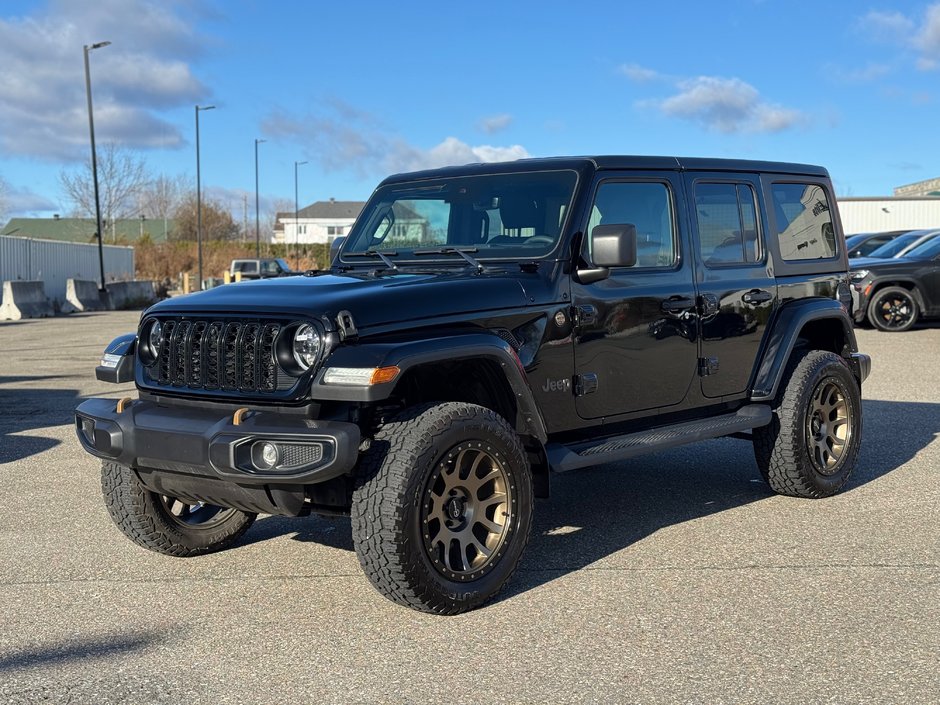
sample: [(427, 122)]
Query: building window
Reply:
[(334, 229)]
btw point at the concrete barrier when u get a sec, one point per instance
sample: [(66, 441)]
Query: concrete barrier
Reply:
[(24, 299), (135, 294), (83, 295)]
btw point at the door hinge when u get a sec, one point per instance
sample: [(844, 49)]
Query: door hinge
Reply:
[(585, 384), (707, 366)]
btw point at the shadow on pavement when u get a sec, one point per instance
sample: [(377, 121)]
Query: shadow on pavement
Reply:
[(113, 645), (26, 409), (596, 512)]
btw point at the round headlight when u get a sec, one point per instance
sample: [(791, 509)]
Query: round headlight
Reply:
[(155, 338), (306, 346)]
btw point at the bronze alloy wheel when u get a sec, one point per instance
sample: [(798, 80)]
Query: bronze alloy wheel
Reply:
[(467, 512), (828, 426), (198, 516)]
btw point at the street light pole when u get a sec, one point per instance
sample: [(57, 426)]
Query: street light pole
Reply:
[(296, 219), (199, 194), (257, 215), (94, 160)]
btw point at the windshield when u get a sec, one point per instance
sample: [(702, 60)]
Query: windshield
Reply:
[(926, 250), (890, 249), (495, 216), (854, 240)]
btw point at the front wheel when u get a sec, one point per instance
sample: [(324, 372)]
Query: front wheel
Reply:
[(893, 309), (811, 444), (442, 508), (165, 524)]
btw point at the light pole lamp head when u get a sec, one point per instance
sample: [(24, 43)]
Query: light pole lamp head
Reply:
[(97, 45), (257, 141), (205, 107)]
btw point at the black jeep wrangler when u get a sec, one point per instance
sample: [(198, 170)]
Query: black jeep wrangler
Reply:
[(480, 328)]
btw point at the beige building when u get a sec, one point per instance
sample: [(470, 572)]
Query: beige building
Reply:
[(928, 187)]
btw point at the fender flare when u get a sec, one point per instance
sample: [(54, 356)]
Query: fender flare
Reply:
[(117, 360), (787, 325), (407, 355)]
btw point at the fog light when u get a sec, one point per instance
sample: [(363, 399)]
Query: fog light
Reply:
[(265, 455), (87, 427)]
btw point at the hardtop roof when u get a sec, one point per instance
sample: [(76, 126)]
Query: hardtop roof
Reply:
[(612, 162)]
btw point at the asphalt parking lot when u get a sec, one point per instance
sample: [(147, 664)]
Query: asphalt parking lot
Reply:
[(676, 578)]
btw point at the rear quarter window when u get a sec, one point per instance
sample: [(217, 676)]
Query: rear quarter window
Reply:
[(803, 221)]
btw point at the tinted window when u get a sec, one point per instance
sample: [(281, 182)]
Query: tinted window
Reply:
[(804, 222), (246, 267), (890, 249), (727, 223), (926, 250), (648, 206)]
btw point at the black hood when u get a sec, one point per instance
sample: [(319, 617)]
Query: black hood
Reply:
[(372, 300)]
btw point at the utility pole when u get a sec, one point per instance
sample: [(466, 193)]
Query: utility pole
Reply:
[(257, 199), (296, 219), (94, 161), (199, 195)]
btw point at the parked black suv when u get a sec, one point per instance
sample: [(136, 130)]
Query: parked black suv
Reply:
[(482, 327), (893, 294)]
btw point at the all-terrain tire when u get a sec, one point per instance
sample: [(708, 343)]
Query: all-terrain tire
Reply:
[(401, 479), (791, 451), (147, 520), (893, 309)]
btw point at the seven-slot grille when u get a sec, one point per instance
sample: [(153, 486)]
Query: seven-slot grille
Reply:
[(233, 355)]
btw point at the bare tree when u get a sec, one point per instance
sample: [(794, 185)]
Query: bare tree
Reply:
[(161, 197), (121, 177), (269, 217), (217, 221)]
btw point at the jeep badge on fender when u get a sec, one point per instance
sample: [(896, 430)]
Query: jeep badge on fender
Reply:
[(480, 328)]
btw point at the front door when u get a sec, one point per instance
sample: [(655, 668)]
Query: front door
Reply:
[(636, 346), (737, 291)]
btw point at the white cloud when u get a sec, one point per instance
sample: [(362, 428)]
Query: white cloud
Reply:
[(22, 202), (495, 123), (886, 26), (861, 74), (725, 105), (639, 74), (355, 141), (43, 112), (928, 39), (921, 35)]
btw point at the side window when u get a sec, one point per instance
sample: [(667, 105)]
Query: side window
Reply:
[(804, 222), (727, 224), (648, 206)]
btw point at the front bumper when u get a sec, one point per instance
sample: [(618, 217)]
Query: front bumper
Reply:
[(206, 444)]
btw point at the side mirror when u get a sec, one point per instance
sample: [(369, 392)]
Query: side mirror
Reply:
[(614, 245), (335, 247)]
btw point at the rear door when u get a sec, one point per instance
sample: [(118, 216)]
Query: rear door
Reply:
[(737, 290)]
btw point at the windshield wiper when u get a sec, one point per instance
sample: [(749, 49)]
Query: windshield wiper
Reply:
[(462, 251), (384, 256)]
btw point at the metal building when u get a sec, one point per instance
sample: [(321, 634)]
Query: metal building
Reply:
[(881, 213)]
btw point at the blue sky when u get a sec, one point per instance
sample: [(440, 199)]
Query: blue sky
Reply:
[(363, 89)]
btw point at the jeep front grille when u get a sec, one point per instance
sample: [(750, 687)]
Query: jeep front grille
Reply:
[(233, 355)]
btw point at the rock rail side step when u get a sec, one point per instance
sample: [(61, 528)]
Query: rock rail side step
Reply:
[(563, 458)]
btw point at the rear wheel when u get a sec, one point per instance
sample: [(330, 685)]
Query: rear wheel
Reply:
[(893, 309), (442, 508), (810, 447), (166, 524)]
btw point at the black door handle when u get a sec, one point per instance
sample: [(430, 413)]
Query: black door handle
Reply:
[(677, 304), (757, 296)]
